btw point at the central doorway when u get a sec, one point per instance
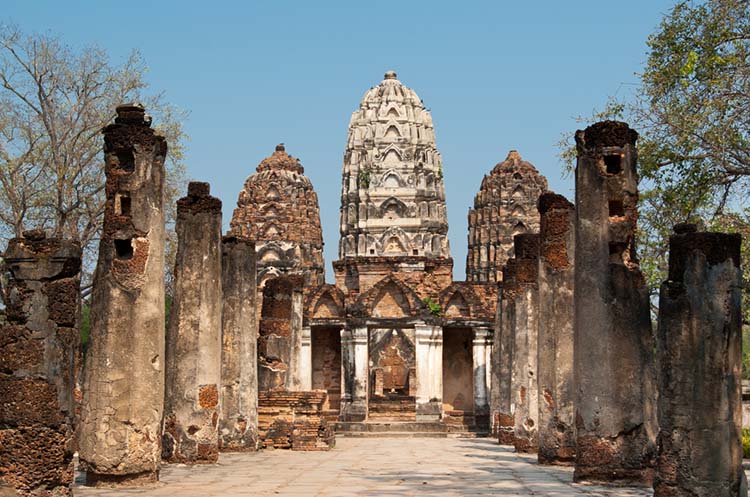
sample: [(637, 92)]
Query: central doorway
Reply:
[(393, 381), (458, 376)]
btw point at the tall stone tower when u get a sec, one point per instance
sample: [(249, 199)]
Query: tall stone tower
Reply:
[(278, 208), (504, 207), (392, 196)]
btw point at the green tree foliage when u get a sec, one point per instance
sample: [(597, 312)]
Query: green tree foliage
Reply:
[(692, 110), (54, 102)]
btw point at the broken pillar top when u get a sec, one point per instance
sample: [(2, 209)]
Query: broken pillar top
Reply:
[(681, 228), (606, 134), (35, 257), (132, 113), (199, 189), (198, 199), (715, 247), (551, 201), (526, 245)]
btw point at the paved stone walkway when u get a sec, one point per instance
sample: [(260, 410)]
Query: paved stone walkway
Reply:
[(374, 467)]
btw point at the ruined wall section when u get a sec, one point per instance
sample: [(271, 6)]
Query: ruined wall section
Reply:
[(192, 404), (39, 355), (615, 394), (392, 194), (278, 208), (123, 388), (504, 207), (700, 355), (279, 334)]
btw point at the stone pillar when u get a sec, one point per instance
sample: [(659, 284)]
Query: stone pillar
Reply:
[(347, 372), (305, 362), (429, 359), (192, 405), (354, 365), (614, 348), (123, 386), (506, 323), (238, 423), (556, 314), (479, 354), (279, 334), (294, 380), (524, 381), (39, 356), (700, 355)]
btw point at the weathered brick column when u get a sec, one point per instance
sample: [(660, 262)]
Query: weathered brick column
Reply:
[(524, 383), (503, 364), (614, 348), (556, 274), (123, 388), (280, 334), (192, 404), (238, 423), (39, 351), (700, 355)]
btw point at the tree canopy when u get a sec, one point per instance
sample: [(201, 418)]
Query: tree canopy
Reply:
[(54, 102)]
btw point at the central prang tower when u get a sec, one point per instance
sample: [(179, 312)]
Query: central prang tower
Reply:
[(392, 197)]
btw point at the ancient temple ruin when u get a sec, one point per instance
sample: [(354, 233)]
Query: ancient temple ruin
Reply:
[(39, 365), (547, 344)]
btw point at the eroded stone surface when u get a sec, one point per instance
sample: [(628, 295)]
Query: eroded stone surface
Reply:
[(524, 387), (193, 362), (123, 385), (700, 355), (238, 425), (614, 359), (556, 316), (39, 362)]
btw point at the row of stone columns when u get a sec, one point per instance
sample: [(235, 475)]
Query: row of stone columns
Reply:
[(146, 397), (575, 355)]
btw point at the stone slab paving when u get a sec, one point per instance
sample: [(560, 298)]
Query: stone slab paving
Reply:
[(373, 467)]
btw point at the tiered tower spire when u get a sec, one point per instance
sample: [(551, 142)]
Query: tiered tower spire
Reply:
[(392, 197)]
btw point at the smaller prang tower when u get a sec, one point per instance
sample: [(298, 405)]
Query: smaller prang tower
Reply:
[(278, 209), (504, 207)]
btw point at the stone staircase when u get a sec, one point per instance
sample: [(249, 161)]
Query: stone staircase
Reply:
[(392, 409)]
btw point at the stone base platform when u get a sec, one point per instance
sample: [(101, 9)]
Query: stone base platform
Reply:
[(413, 429)]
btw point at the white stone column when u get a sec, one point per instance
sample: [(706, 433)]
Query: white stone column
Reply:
[(429, 359), (354, 371), (293, 379), (480, 349), (304, 372)]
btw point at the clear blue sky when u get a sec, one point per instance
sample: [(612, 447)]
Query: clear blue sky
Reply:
[(496, 75)]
